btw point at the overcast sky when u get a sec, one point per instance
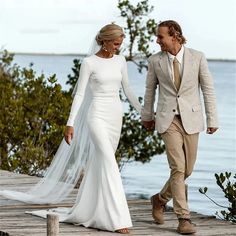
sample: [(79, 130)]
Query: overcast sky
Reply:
[(68, 26)]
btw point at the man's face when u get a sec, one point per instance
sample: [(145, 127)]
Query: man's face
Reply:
[(165, 41)]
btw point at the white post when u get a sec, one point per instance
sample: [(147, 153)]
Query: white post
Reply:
[(52, 225)]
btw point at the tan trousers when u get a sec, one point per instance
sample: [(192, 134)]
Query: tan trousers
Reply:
[(181, 149)]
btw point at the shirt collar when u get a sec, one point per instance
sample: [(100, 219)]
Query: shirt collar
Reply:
[(179, 56)]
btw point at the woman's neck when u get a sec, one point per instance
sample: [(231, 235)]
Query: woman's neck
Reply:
[(104, 54)]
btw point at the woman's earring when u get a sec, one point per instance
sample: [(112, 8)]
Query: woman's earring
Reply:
[(104, 48)]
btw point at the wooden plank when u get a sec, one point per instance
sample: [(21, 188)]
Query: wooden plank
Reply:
[(14, 220)]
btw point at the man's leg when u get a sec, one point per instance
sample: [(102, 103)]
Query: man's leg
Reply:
[(175, 186), (190, 144), (190, 149), (173, 140), (181, 151)]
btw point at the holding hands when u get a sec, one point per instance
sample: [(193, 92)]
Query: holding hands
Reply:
[(211, 130), (149, 125)]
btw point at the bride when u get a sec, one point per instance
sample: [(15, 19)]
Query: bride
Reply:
[(91, 139)]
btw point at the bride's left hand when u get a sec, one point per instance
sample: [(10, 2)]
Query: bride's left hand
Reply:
[(68, 134)]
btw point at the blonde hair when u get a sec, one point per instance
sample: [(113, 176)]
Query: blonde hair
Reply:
[(109, 32)]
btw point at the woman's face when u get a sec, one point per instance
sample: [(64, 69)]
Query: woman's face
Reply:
[(113, 46)]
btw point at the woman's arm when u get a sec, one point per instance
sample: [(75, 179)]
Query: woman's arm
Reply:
[(78, 99), (127, 90)]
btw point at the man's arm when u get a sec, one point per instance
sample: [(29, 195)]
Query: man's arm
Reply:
[(207, 87), (147, 113)]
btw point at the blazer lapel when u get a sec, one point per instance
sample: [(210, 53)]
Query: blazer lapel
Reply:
[(187, 65)]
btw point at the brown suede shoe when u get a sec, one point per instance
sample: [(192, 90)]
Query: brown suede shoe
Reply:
[(185, 227), (158, 208)]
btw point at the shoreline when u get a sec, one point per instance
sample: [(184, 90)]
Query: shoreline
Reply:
[(83, 55)]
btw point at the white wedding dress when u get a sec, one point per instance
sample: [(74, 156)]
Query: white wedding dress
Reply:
[(96, 115)]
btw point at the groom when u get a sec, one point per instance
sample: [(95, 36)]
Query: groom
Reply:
[(179, 73)]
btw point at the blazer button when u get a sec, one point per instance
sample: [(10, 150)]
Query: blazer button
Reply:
[(178, 96), (173, 110)]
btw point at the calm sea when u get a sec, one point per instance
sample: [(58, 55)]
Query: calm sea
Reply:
[(217, 153)]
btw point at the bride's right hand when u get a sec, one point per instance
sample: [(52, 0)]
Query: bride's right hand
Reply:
[(68, 134)]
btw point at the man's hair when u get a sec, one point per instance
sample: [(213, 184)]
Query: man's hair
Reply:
[(174, 30)]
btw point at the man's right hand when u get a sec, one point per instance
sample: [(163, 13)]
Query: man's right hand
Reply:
[(68, 134), (149, 125)]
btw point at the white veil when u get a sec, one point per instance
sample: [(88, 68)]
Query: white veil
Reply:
[(68, 162)]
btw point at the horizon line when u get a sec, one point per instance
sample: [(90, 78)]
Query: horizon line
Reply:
[(84, 55)]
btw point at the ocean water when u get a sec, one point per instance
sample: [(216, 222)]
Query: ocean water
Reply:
[(216, 153)]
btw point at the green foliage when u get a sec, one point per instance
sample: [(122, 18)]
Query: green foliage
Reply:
[(33, 111), (223, 180), (75, 76), (140, 29)]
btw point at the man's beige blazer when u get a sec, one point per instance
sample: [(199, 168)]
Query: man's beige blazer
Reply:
[(195, 78)]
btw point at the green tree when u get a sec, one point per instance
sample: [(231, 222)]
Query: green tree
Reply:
[(33, 110), (140, 30)]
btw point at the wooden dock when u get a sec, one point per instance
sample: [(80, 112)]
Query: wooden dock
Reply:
[(15, 222)]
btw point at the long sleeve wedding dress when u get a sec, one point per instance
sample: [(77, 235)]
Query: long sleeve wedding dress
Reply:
[(96, 115)]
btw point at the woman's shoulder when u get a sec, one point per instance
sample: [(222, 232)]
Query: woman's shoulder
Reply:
[(88, 58), (120, 58)]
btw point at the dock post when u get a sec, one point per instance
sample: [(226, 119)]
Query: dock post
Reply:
[(52, 225)]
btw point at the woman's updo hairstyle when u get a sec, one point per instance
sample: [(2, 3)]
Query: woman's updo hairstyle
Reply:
[(109, 32)]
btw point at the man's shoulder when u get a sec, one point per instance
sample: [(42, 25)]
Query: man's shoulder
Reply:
[(194, 51), (161, 54), (156, 56)]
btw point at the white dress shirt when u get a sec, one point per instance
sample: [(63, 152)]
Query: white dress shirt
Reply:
[(179, 58)]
